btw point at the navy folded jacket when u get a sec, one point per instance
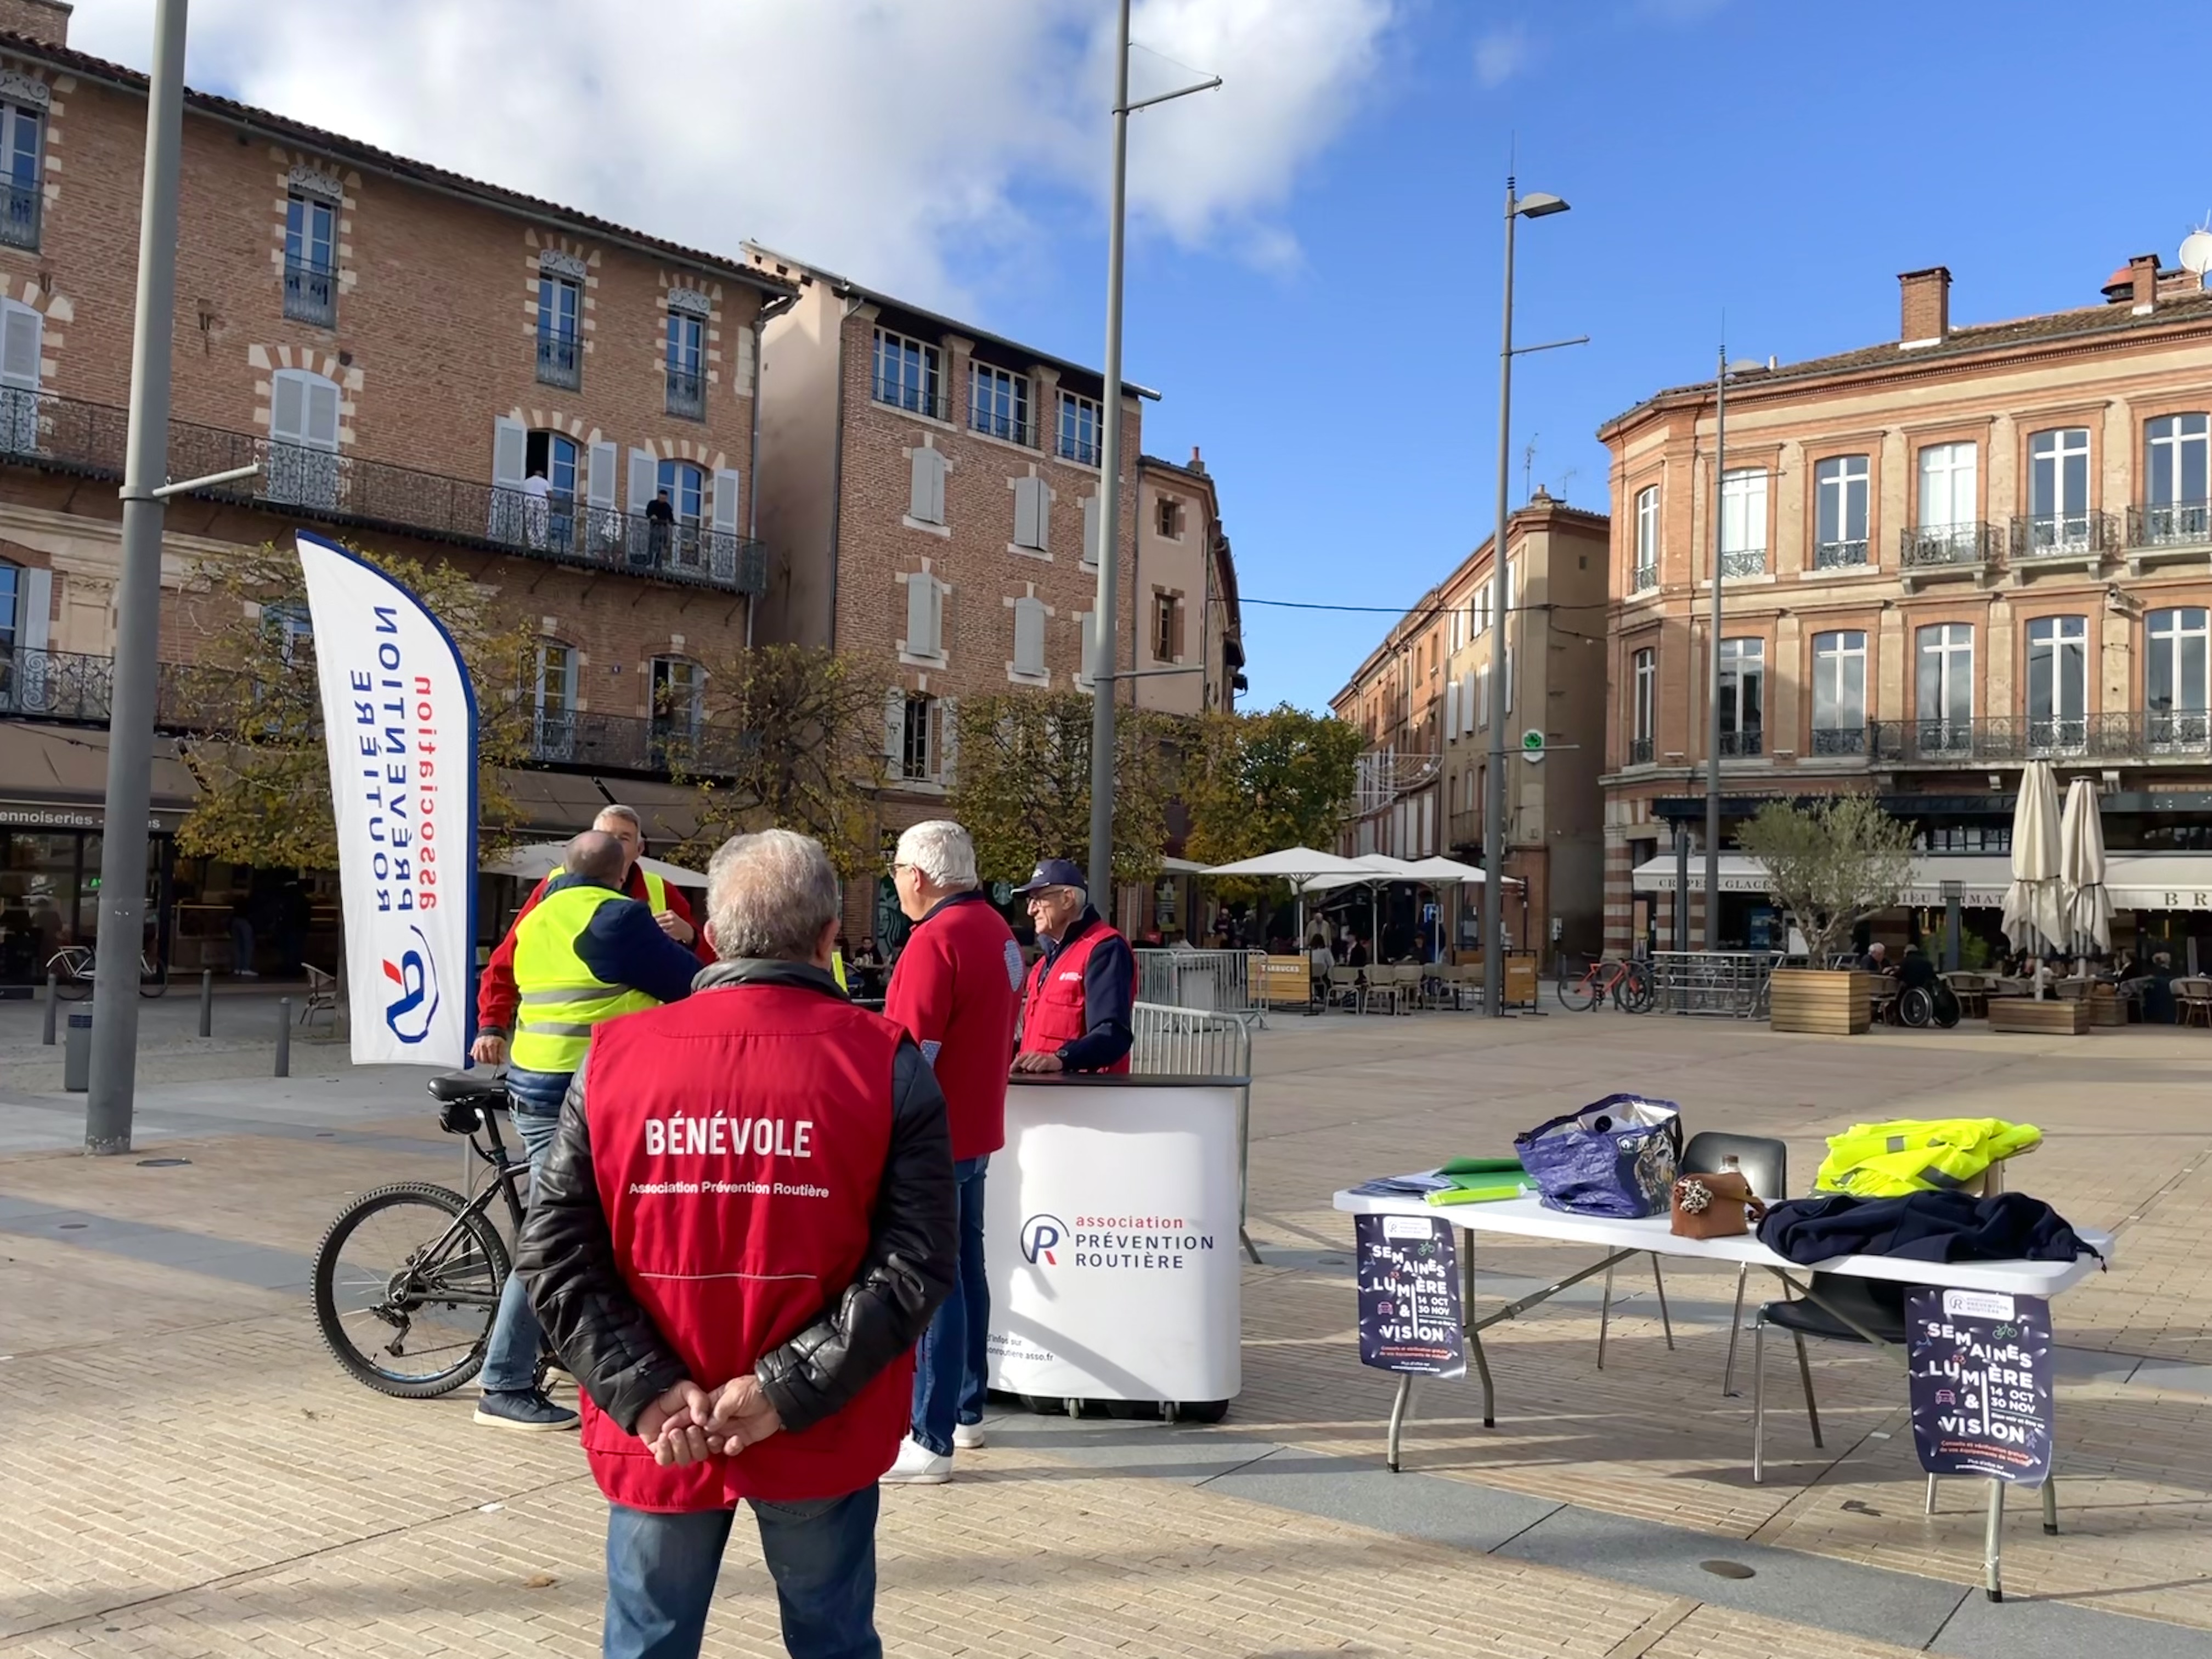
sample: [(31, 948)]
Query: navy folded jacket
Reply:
[(1933, 1226)]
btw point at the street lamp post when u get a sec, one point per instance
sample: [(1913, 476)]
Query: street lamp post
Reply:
[(1106, 649), (1536, 206)]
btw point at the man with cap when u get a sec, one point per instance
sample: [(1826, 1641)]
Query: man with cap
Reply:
[(1076, 1010)]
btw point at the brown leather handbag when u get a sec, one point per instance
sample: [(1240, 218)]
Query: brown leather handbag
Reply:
[(1718, 1206)]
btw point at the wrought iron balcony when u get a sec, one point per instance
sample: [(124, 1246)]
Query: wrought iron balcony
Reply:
[(654, 744), (61, 434), (22, 208), (917, 399), (560, 360), (1742, 562), (1840, 556), (1831, 741), (1074, 446), (311, 293), (1947, 546), (2068, 536), (1639, 751), (1739, 745), (2170, 524), (995, 425), (2131, 738), (55, 685), (1644, 578), (687, 393)]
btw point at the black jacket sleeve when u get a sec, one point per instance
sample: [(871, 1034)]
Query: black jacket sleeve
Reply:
[(565, 1256), (913, 1246), (622, 945)]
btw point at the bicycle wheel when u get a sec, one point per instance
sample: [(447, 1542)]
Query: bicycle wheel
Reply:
[(71, 984), (1581, 993), (155, 983), (407, 1281), (1634, 993)]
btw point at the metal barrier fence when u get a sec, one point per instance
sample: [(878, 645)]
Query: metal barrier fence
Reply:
[(1218, 981), (1192, 1042), (1731, 982)]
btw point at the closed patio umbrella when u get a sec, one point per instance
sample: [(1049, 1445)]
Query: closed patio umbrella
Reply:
[(2082, 869), (2035, 906)]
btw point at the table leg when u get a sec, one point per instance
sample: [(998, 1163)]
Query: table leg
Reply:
[(1398, 1418), (1604, 1317), (2050, 1504), (1931, 1494), (1665, 1319), (1735, 1330), (1993, 1545), (1472, 1327)]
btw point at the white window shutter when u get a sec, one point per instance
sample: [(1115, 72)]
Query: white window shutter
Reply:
[(936, 591), (727, 491), (509, 441), (948, 738), (924, 614), (895, 729), (926, 492), (1029, 513), (599, 481), (1028, 636), (644, 478), (322, 413), (1091, 529), (1482, 696), (35, 600), (1509, 682), (1451, 710), (1089, 658), (23, 338), (288, 415)]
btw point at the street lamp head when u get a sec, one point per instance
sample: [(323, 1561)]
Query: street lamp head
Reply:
[(1539, 206)]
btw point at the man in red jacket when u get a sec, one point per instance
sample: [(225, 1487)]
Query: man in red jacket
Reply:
[(954, 991), (496, 996), (1077, 1013), (743, 1228)]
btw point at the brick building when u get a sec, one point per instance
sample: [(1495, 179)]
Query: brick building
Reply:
[(931, 493), (420, 362), (1422, 698), (1942, 555), (1185, 592)]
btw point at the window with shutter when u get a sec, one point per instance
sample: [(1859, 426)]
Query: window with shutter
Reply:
[(302, 465), (948, 739), (1029, 638), (1090, 531), (22, 338), (602, 497), (1509, 680), (925, 618), (1030, 513), (926, 490), (1090, 649), (725, 535)]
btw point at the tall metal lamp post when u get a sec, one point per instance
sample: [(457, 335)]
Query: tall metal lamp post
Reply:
[(1534, 206), (1106, 652), (1713, 652)]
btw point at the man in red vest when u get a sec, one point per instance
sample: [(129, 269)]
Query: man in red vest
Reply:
[(1076, 1015), (745, 1224), (956, 990)]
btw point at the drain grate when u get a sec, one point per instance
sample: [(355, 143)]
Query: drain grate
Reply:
[(1728, 1570)]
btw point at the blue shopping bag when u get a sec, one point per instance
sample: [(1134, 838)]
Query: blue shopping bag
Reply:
[(1615, 1158)]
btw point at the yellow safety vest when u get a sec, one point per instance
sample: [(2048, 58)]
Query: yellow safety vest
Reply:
[(837, 966), (561, 999), (656, 889), (1913, 1155)]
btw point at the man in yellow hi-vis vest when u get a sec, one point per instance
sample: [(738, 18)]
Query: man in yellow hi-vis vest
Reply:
[(586, 953)]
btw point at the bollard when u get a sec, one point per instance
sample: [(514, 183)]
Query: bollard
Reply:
[(76, 1054), (284, 1036), (207, 1002), (53, 1000)]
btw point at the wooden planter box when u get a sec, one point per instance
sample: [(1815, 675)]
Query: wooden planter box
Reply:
[(1827, 1002), (2107, 1010), (2047, 1019)]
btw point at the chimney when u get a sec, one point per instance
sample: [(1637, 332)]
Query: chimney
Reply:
[(1926, 297), (2142, 279), (1196, 463), (45, 21)]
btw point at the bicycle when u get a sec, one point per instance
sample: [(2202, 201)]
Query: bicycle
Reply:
[(1627, 983), (73, 967), (413, 1272)]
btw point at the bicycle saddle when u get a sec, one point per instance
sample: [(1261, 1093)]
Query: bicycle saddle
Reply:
[(476, 1087)]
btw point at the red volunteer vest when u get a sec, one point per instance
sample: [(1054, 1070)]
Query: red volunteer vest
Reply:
[(1052, 1013), (739, 1139)]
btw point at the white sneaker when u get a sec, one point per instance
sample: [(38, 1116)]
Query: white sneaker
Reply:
[(969, 1437), (918, 1466)]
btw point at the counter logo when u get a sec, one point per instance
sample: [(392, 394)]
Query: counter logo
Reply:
[(410, 1011), (1041, 1236)]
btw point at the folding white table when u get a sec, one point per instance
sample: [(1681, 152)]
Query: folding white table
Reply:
[(1621, 1241)]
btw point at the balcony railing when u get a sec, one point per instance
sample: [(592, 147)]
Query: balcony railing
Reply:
[(1003, 426), (594, 742), (1073, 447), (561, 361), (1742, 562), (311, 293), (1829, 740), (1738, 745), (1639, 751), (1644, 578), (2063, 536), (2170, 524), (1947, 546), (915, 399), (63, 435), (1839, 556), (687, 393), (2126, 737), (55, 685), (21, 207)]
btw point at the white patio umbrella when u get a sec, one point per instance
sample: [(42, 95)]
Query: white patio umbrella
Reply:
[(2034, 907), (542, 859), (2082, 869), (1443, 871), (1300, 867)]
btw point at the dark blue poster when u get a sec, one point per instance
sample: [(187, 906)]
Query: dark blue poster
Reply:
[(1981, 1373), (1409, 1307)]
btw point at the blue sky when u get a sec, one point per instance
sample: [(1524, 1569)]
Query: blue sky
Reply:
[(1314, 271)]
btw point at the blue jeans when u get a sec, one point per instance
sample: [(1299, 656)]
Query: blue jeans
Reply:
[(950, 1364), (822, 1554), (510, 1352)]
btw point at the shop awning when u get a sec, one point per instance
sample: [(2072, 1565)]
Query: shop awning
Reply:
[(553, 803), (55, 777), (671, 812), (2136, 881)]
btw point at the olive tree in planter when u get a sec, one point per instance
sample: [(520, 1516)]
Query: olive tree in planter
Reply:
[(1832, 864)]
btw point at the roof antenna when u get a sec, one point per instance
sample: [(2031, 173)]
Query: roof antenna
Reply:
[(1527, 463)]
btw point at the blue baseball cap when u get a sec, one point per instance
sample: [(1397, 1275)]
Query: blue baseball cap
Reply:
[(1056, 873)]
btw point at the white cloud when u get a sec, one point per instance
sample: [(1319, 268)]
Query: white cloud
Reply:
[(887, 138), (1501, 54)]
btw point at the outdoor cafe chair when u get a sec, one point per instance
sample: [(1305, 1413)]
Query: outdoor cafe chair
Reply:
[(1345, 990), (2192, 996), (1873, 1306)]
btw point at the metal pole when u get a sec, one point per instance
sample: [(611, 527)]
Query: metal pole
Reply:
[(1106, 653), (138, 610), (284, 1036), (53, 987), (1681, 887), (1713, 652), (1493, 791), (207, 1002)]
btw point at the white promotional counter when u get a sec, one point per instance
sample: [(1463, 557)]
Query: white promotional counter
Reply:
[(1110, 1235)]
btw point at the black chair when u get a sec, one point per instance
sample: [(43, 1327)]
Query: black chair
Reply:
[(1840, 1309)]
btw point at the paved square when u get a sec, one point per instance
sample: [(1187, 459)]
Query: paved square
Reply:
[(188, 1473)]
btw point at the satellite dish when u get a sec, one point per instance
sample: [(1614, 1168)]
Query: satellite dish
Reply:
[(2197, 251)]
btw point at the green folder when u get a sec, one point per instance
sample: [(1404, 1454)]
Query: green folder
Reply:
[(1488, 1192), (1481, 1166)]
